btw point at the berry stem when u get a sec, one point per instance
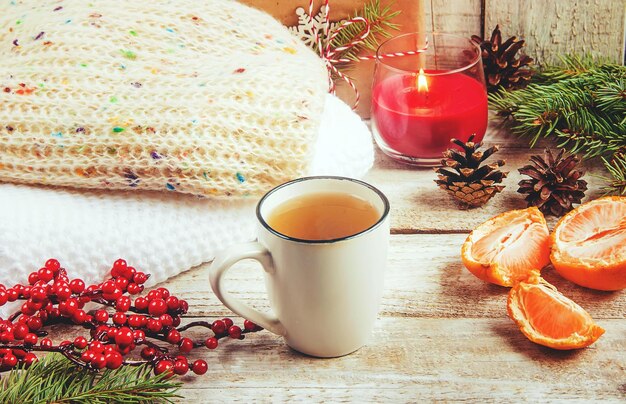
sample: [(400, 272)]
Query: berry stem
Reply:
[(15, 315), (204, 324)]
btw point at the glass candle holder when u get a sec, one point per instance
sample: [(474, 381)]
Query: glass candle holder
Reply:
[(420, 102)]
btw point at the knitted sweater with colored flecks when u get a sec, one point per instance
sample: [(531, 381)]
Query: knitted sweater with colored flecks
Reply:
[(209, 97)]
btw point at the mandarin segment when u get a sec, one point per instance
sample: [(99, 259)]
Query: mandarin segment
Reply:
[(508, 248), (588, 245), (547, 317)]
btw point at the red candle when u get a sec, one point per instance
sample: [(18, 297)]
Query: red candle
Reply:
[(419, 122)]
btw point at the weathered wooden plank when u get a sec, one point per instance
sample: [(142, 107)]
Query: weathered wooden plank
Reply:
[(418, 205), (425, 278), (552, 28), (417, 359), (460, 17)]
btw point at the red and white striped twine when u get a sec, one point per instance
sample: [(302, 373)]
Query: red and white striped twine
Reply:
[(328, 54)]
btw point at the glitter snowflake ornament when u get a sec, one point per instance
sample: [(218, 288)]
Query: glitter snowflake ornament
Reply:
[(307, 26)]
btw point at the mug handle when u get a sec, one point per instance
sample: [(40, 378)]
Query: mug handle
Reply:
[(223, 262)]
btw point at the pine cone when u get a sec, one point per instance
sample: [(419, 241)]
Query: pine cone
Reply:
[(500, 62), (462, 176), (554, 184)]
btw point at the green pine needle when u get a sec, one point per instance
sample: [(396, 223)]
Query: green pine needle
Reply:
[(617, 169), (54, 379), (570, 66), (581, 104)]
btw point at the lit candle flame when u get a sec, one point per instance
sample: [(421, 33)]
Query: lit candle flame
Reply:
[(422, 84)]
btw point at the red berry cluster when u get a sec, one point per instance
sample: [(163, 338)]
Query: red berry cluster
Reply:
[(115, 331)]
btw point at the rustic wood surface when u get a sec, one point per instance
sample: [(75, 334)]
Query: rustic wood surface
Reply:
[(441, 335), (460, 17), (552, 28)]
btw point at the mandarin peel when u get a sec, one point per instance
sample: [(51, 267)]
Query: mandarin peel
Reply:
[(546, 317)]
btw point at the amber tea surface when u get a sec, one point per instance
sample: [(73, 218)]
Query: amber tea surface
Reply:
[(323, 216)]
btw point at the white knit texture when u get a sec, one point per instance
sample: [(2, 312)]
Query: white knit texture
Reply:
[(204, 97), (162, 233)]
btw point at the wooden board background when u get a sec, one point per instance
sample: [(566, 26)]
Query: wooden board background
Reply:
[(550, 28), (556, 27)]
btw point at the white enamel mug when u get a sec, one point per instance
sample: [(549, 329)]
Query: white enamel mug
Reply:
[(324, 294)]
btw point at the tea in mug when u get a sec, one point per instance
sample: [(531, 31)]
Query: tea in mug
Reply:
[(323, 216)]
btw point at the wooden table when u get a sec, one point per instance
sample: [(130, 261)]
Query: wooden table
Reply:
[(441, 335)]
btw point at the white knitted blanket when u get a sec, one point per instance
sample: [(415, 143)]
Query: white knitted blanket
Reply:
[(162, 233)]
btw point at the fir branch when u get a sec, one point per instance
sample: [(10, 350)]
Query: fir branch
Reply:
[(380, 24), (54, 379), (581, 104), (617, 168), (570, 66)]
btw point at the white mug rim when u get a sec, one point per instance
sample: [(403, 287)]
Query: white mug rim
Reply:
[(373, 227)]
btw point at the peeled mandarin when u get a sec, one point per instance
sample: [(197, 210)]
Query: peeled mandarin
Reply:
[(508, 248)]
